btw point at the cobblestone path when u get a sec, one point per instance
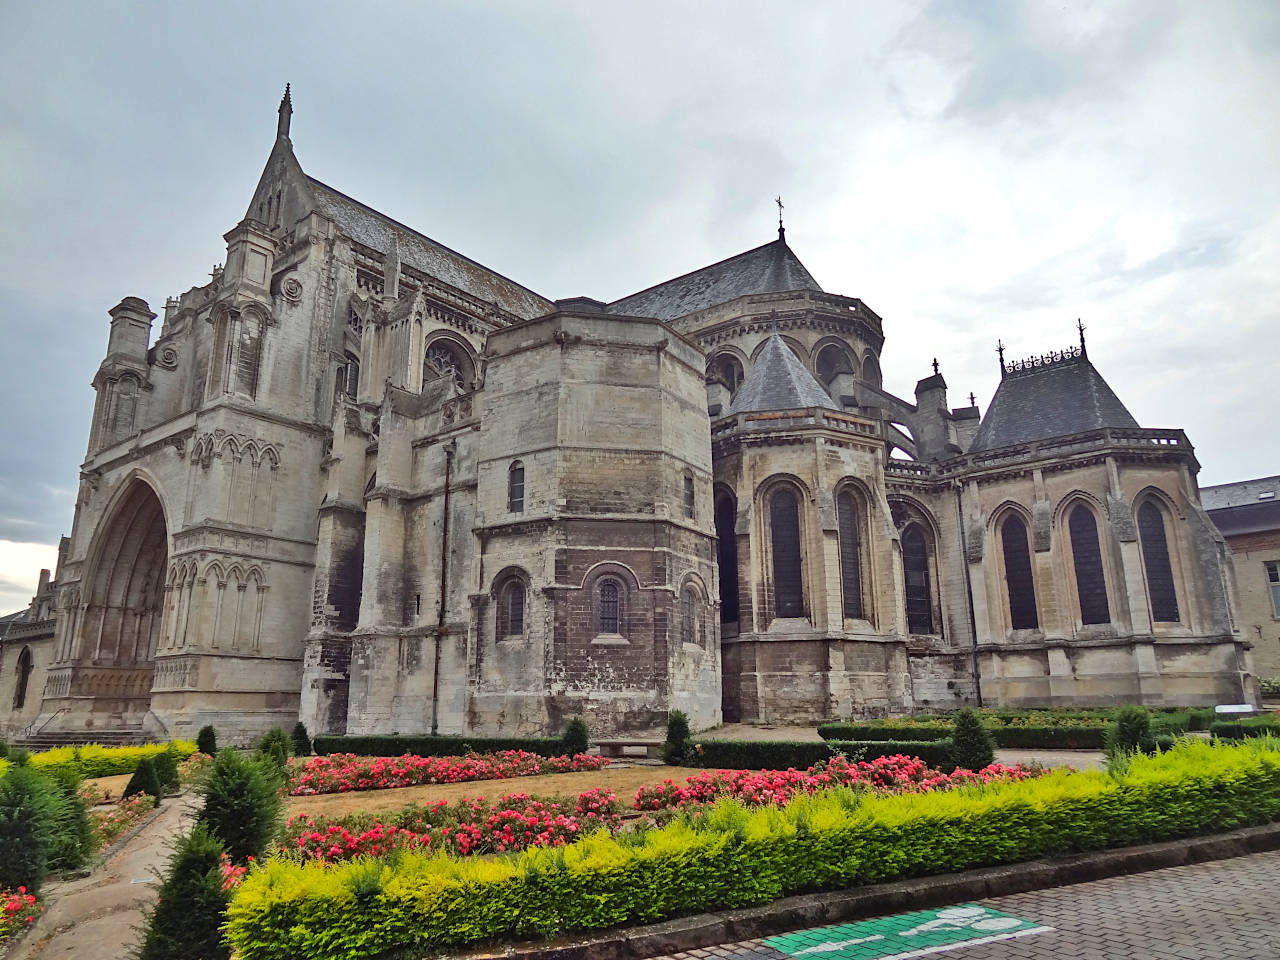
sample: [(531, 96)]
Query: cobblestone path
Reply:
[(1224, 910)]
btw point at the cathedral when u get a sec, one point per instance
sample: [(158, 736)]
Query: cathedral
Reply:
[(360, 479)]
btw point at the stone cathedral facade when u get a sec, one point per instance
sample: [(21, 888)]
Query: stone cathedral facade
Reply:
[(361, 479)]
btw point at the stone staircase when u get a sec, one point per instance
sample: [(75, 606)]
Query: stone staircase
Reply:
[(120, 737)]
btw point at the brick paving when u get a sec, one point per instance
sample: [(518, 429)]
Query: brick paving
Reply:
[(1223, 910)]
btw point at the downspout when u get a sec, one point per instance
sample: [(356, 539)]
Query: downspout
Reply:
[(449, 450), (968, 591)]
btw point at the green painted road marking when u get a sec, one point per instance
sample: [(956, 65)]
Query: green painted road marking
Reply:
[(905, 935)]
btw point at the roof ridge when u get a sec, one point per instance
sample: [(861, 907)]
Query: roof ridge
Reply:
[(702, 269), (418, 233)]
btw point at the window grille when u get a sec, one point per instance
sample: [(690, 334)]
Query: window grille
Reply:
[(1273, 582), (1091, 582), (727, 558), (788, 582), (443, 361), (610, 607), (850, 556), (915, 575), (1017, 574), (1155, 558), (515, 488)]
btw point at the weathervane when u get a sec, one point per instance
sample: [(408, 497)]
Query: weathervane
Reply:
[(1000, 350), (973, 401), (1081, 328), (781, 229)]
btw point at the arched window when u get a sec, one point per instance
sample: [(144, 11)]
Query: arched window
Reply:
[(915, 575), (727, 557), (515, 488), (510, 613), (788, 580), (124, 416), (249, 355), (609, 606), (850, 536), (831, 362), (1017, 574), (446, 359), (689, 616), (1086, 554), (871, 370), (688, 495), (728, 370), (25, 666), (1155, 557)]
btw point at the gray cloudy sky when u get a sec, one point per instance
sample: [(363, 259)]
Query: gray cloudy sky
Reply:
[(971, 170)]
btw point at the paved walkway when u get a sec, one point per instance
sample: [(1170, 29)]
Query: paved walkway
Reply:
[(96, 916), (1224, 910)]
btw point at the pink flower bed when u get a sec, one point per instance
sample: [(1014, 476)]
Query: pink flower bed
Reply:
[(476, 826), (897, 774), (342, 772)]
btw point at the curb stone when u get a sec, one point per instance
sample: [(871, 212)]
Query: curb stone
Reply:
[(817, 909)]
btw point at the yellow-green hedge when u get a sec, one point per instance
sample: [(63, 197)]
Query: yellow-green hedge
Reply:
[(95, 760), (739, 857)]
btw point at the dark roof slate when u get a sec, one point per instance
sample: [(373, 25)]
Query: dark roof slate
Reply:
[(1249, 506), (779, 381), (1060, 398), (771, 268), (377, 230)]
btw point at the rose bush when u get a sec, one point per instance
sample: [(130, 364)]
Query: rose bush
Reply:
[(110, 823), (343, 772), (17, 911), (896, 774), (474, 826)]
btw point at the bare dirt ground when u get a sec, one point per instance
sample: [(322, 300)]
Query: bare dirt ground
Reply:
[(113, 785)]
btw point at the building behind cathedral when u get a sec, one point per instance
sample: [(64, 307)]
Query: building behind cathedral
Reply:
[(361, 479)]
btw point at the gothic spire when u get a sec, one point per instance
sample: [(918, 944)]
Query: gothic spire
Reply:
[(286, 114)]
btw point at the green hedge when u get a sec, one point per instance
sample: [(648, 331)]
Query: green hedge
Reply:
[(95, 760), (783, 754), (736, 857), (428, 746), (1247, 727), (1045, 738)]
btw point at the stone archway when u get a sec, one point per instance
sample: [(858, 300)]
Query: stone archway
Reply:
[(124, 599)]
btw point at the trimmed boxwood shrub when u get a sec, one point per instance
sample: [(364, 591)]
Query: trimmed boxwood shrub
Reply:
[(301, 740), (207, 740), (882, 731), (242, 805), (972, 747), (1043, 738), (736, 857), (428, 746), (577, 737), (782, 754), (184, 923)]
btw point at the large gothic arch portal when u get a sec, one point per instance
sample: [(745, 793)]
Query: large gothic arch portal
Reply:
[(124, 599)]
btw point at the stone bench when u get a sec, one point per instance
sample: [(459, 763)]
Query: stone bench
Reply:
[(618, 748)]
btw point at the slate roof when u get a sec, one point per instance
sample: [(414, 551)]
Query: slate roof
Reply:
[(779, 381), (771, 268), (375, 230), (1249, 506), (1063, 397)]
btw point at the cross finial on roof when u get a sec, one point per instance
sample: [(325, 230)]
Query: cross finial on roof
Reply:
[(935, 366), (1081, 328), (782, 231), (1000, 351), (973, 401), (286, 113)]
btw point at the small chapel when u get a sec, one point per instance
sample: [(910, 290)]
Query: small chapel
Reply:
[(362, 480)]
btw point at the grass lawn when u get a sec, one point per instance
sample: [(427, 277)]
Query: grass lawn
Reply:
[(623, 781)]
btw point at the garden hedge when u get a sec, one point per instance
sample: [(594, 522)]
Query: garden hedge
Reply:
[(1045, 738), (429, 746), (735, 857), (781, 754), (1248, 727), (95, 760)]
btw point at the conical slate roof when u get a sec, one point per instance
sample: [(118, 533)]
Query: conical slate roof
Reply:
[(1060, 398), (771, 268), (779, 381)]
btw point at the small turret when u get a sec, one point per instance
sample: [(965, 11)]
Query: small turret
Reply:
[(130, 329)]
